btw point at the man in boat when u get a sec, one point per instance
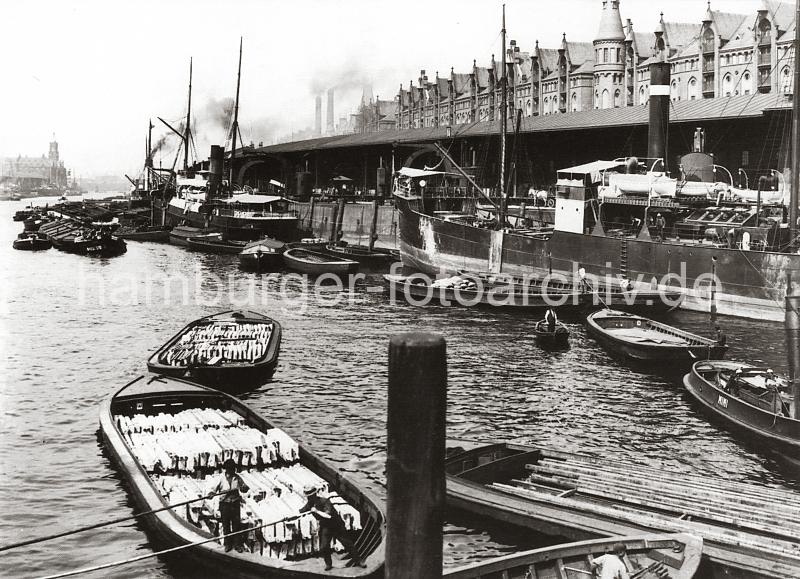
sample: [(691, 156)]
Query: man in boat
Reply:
[(551, 318), (612, 565), (230, 504), (331, 526), (661, 224)]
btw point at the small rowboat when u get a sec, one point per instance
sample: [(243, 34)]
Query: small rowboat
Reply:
[(32, 242), (262, 255), (557, 338), (638, 338), (169, 437), (180, 235), (750, 399), (314, 263), (419, 290), (155, 233), (593, 293), (675, 556), (230, 350), (749, 531), (215, 244), (367, 257)]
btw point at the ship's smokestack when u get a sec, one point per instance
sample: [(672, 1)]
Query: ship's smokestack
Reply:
[(216, 162), (318, 116), (330, 111), (659, 111)]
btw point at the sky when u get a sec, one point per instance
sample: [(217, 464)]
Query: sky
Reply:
[(93, 72)]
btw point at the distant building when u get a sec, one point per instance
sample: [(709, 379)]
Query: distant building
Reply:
[(30, 173), (724, 55)]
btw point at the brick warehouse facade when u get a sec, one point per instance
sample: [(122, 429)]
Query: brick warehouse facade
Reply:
[(724, 55)]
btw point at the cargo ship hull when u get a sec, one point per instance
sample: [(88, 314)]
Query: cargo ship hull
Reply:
[(282, 226), (749, 284)]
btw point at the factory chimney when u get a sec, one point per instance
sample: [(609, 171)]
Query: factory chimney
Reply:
[(329, 118), (318, 117)]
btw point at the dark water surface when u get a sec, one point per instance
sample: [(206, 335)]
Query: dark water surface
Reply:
[(75, 329)]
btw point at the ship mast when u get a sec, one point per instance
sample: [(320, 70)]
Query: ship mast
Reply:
[(503, 107), (794, 198), (187, 130), (235, 126)]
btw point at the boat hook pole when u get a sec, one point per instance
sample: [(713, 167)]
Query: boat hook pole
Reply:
[(105, 524)]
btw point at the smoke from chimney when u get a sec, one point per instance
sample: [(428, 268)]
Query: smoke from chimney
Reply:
[(330, 121), (318, 117)]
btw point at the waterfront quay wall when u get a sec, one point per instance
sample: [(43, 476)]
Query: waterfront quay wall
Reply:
[(355, 223)]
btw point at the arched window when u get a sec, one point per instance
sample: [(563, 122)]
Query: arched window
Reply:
[(606, 103), (674, 91), (764, 32), (617, 98), (727, 85), (708, 40), (528, 107), (747, 83), (574, 106), (692, 93), (660, 47), (641, 96), (786, 81), (596, 100)]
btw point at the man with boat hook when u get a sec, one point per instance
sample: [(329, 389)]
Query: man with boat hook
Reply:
[(230, 504), (331, 526)]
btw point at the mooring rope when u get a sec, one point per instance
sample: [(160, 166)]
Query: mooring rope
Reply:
[(105, 524)]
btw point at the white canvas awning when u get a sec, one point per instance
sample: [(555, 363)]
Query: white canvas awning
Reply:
[(415, 173), (251, 198), (592, 169)]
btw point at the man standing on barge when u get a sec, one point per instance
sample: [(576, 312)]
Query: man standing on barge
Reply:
[(331, 526)]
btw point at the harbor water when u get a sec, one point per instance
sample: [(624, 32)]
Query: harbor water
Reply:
[(76, 329)]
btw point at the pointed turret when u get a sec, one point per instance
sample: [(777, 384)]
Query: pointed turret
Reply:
[(610, 22), (709, 16)]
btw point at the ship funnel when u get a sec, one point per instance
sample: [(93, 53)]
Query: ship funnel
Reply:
[(215, 170), (659, 111)]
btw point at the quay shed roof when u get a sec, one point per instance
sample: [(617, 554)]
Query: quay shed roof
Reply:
[(683, 111)]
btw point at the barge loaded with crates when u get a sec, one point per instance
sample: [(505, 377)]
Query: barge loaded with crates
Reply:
[(231, 350), (170, 439), (723, 247)]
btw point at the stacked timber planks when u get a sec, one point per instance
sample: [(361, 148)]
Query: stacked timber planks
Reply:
[(727, 513)]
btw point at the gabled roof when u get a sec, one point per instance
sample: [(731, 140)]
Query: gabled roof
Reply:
[(548, 60), (580, 52), (482, 78), (679, 34), (386, 109), (523, 66), (586, 68), (727, 23), (782, 12), (444, 87), (644, 44), (691, 49), (462, 84)]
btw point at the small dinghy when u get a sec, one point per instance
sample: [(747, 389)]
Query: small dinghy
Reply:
[(230, 351), (314, 263), (180, 235), (751, 399), (262, 255), (215, 244), (31, 242), (555, 339), (170, 439), (367, 257), (154, 233), (463, 290), (641, 339), (668, 556)]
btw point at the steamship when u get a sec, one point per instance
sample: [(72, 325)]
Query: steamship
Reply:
[(728, 250)]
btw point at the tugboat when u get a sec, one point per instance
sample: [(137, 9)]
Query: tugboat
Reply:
[(93, 238), (31, 242)]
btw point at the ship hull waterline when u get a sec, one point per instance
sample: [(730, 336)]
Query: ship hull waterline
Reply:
[(749, 284)]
